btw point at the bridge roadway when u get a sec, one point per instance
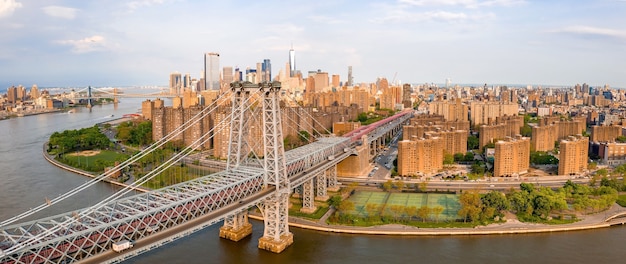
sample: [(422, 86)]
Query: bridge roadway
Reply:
[(168, 235), (131, 218), (76, 236), (469, 185)]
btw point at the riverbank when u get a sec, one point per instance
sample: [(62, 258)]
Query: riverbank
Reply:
[(7, 115), (58, 164), (511, 226)]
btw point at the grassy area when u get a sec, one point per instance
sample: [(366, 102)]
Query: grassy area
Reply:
[(95, 163), (621, 200), (296, 205), (174, 175)]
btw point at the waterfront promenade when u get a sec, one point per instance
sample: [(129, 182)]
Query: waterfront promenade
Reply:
[(510, 226)]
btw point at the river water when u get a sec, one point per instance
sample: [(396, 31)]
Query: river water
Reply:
[(26, 180)]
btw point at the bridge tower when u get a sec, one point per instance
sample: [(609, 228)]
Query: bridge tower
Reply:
[(276, 235), (89, 104), (237, 226)]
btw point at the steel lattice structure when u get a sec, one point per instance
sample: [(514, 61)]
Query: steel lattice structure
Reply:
[(129, 218), (74, 236)]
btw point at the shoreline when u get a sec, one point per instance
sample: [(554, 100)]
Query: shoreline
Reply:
[(60, 165), (511, 226), (508, 228)]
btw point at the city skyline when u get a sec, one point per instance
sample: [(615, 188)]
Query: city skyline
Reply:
[(75, 43)]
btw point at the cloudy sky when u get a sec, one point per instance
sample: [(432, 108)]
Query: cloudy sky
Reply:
[(119, 43)]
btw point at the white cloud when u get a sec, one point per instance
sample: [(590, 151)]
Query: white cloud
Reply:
[(400, 15), (7, 7), (326, 19), (465, 3), (593, 31), (60, 12), (132, 5), (88, 44)]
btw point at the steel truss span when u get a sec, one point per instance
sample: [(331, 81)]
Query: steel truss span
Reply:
[(79, 235), (130, 218)]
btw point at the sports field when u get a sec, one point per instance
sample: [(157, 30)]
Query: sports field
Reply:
[(384, 201)]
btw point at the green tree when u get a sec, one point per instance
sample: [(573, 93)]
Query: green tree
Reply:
[(345, 206), (437, 210), (396, 210), (362, 117), (423, 213), (458, 157), (423, 186), (410, 211), (372, 211), (387, 186), (472, 142), (334, 201), (448, 159), (471, 206), (469, 156), (526, 131), (497, 200), (399, 185)]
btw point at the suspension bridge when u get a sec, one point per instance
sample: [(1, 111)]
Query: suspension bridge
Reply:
[(264, 180)]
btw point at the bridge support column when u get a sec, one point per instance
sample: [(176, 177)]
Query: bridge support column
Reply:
[(308, 203), (331, 175), (321, 194), (236, 227), (276, 235)]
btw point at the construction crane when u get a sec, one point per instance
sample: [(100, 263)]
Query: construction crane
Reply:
[(393, 81)]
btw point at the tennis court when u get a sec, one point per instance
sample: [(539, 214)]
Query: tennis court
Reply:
[(384, 201)]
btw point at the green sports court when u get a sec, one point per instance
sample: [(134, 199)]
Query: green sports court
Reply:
[(384, 201)]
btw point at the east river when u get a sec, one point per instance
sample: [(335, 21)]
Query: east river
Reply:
[(26, 180)]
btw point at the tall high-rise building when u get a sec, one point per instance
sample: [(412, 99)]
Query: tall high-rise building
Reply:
[(512, 156), (34, 92), (212, 71), (187, 81), (335, 82), (350, 81), (266, 69), (574, 155), (292, 62), (12, 95), (406, 95), (227, 75), (176, 83), (420, 156)]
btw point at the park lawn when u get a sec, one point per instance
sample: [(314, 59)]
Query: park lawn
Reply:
[(104, 155), (173, 175), (621, 200), (95, 163)]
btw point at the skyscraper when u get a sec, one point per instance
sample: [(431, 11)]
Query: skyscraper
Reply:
[(212, 71), (176, 83), (350, 76), (227, 74), (292, 62), (266, 69)]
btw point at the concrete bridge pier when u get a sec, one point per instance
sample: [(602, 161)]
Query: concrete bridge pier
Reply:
[(276, 236), (321, 193), (236, 227), (308, 203), (331, 175)]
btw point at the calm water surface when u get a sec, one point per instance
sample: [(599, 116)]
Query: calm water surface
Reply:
[(26, 179)]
